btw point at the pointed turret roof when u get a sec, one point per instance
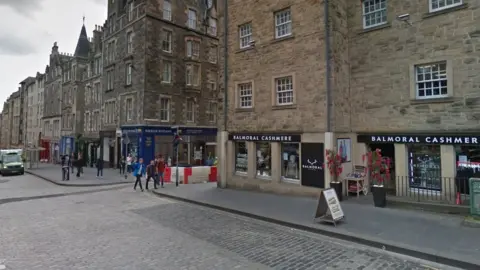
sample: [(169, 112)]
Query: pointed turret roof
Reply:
[(83, 44)]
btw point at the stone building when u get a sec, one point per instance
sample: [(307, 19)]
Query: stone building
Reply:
[(52, 111), (404, 78), (30, 94), (93, 96), (7, 115), (160, 70), (17, 119), (73, 77), (38, 108)]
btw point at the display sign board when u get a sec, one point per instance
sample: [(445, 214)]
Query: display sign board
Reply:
[(419, 139), (474, 184), (328, 207), (313, 158), (264, 137)]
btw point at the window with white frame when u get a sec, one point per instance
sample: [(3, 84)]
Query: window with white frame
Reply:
[(283, 23), (284, 90), (129, 109), (130, 42), (213, 54), (167, 72), (245, 35), (167, 41), (212, 110), (190, 110), (192, 19), (431, 80), (128, 77), (164, 109), (192, 74), (130, 11), (212, 28), (245, 95), (374, 13), (167, 10), (87, 120), (193, 48), (437, 5)]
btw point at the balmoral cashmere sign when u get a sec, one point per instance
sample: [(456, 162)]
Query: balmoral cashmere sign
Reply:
[(265, 137), (419, 139)]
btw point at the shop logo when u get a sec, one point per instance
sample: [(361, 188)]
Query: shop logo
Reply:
[(312, 165)]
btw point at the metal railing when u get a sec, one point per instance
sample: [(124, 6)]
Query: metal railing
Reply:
[(445, 190)]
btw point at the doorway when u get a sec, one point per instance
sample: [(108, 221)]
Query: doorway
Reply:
[(388, 150)]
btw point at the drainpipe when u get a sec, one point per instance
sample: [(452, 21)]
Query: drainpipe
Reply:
[(328, 68), (225, 64)]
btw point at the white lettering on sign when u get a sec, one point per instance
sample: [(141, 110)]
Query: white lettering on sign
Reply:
[(428, 139), (271, 138)]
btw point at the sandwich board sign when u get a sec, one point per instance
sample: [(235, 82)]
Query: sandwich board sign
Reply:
[(329, 208)]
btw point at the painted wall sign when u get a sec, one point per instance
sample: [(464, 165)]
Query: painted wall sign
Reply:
[(419, 139), (265, 137)]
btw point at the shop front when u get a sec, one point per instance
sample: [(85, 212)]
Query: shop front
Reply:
[(67, 145), (196, 148), (274, 162), (107, 147), (430, 163)]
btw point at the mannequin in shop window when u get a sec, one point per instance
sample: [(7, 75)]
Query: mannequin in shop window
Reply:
[(292, 169)]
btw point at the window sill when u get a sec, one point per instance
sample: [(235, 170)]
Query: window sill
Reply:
[(240, 110), (275, 40), (432, 100), (167, 52), (265, 178), (241, 50), (284, 107), (193, 88), (445, 11), (375, 28), (127, 85), (166, 83), (290, 180), (108, 90)]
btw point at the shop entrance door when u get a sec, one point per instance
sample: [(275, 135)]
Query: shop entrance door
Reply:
[(388, 150)]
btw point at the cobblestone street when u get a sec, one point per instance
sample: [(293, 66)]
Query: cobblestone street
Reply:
[(124, 229)]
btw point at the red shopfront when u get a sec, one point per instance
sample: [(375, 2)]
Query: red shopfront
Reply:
[(45, 154)]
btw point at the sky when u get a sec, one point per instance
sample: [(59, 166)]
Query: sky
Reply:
[(28, 29)]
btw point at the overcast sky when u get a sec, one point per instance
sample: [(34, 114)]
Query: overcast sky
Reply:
[(28, 29)]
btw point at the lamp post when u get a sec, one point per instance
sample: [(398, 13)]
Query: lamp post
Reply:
[(176, 141)]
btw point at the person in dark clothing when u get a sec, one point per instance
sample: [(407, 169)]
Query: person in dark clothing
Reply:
[(99, 167), (151, 175), (79, 164), (123, 163)]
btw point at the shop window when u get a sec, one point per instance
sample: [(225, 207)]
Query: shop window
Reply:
[(264, 168), (425, 167), (468, 165), (241, 157), (290, 161)]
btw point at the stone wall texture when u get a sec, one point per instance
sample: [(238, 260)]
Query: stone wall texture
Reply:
[(372, 70)]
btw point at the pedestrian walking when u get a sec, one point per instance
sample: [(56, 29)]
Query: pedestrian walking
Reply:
[(65, 168), (122, 166), (129, 163), (138, 172), (79, 164), (151, 175), (100, 167), (160, 169)]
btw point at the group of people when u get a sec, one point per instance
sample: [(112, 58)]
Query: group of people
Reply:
[(69, 163), (151, 172)]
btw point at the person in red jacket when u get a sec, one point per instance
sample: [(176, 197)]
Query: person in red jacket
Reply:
[(160, 169)]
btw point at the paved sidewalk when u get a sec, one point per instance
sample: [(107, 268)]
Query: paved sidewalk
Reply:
[(434, 237), (53, 174)]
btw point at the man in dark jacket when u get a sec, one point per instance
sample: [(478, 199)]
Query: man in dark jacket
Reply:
[(99, 167), (151, 170)]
